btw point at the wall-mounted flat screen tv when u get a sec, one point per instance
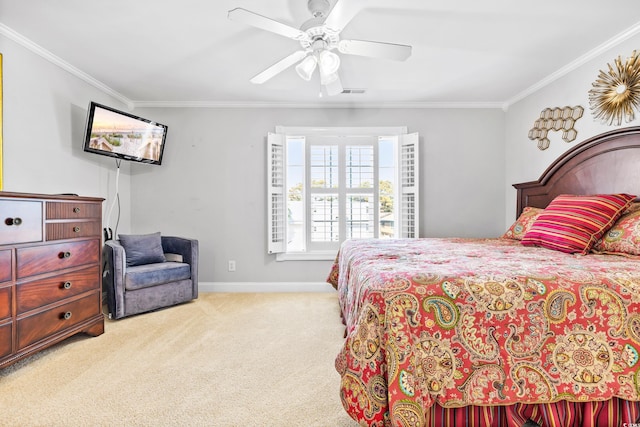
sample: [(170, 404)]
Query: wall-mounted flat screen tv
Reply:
[(122, 135)]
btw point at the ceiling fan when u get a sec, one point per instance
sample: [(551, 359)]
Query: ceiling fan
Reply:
[(319, 37)]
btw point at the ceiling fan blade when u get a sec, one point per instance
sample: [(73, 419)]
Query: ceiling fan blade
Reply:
[(250, 18), (398, 52), (334, 88), (279, 67), (342, 13)]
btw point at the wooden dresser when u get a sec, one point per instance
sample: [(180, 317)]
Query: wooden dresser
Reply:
[(50, 271)]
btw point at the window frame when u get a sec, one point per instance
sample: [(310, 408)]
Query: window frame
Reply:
[(276, 183)]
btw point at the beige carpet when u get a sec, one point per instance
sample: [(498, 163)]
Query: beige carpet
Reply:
[(222, 360)]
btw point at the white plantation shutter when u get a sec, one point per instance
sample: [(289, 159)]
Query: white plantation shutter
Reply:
[(409, 186), (276, 203)]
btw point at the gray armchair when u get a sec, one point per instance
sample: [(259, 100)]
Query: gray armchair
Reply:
[(149, 285)]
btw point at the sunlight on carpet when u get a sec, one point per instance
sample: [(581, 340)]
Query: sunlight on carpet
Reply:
[(225, 359)]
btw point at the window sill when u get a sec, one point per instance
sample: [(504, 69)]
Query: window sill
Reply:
[(307, 256)]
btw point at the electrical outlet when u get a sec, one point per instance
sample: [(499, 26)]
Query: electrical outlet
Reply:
[(232, 265)]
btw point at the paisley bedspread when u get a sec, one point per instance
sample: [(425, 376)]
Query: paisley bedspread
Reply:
[(459, 322)]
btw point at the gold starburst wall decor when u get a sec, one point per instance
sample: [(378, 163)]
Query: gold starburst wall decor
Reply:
[(616, 93)]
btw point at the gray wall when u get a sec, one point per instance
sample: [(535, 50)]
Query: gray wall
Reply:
[(524, 161), (212, 186), (212, 183), (44, 116)]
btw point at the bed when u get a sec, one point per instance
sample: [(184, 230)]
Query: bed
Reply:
[(503, 332)]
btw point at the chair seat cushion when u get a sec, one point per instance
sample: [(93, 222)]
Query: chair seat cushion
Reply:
[(144, 276)]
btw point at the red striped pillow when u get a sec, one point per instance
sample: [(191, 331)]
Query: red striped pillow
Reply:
[(574, 223)]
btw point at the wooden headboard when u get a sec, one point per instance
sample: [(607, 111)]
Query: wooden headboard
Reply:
[(606, 163)]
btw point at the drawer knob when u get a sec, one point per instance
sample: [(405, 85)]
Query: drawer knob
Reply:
[(66, 285), (76, 210), (76, 229), (65, 254), (13, 221), (66, 315)]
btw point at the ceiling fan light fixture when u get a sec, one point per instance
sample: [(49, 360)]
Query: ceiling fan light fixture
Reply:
[(319, 36), (326, 79), (306, 67), (329, 62)]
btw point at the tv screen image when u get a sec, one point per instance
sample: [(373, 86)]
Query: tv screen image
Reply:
[(122, 135)]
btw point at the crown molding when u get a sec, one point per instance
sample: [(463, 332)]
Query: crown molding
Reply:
[(39, 50), (270, 105), (592, 54)]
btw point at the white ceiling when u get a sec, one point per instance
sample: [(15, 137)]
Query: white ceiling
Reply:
[(465, 52)]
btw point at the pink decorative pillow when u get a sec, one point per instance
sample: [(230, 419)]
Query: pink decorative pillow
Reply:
[(524, 222), (575, 223), (624, 237)]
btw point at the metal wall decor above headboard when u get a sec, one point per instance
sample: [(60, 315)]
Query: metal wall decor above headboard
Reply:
[(557, 119), (616, 93)]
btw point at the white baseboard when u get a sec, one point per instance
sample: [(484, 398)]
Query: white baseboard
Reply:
[(264, 287)]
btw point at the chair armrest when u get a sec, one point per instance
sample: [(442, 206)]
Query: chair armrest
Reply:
[(114, 259), (189, 250)]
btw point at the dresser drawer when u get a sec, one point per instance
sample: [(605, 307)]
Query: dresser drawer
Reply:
[(39, 293), (21, 221), (5, 266), (73, 210), (5, 303), (38, 326), (5, 339), (46, 258), (70, 230)]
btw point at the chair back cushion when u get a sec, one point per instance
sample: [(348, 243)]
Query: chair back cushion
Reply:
[(142, 249)]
